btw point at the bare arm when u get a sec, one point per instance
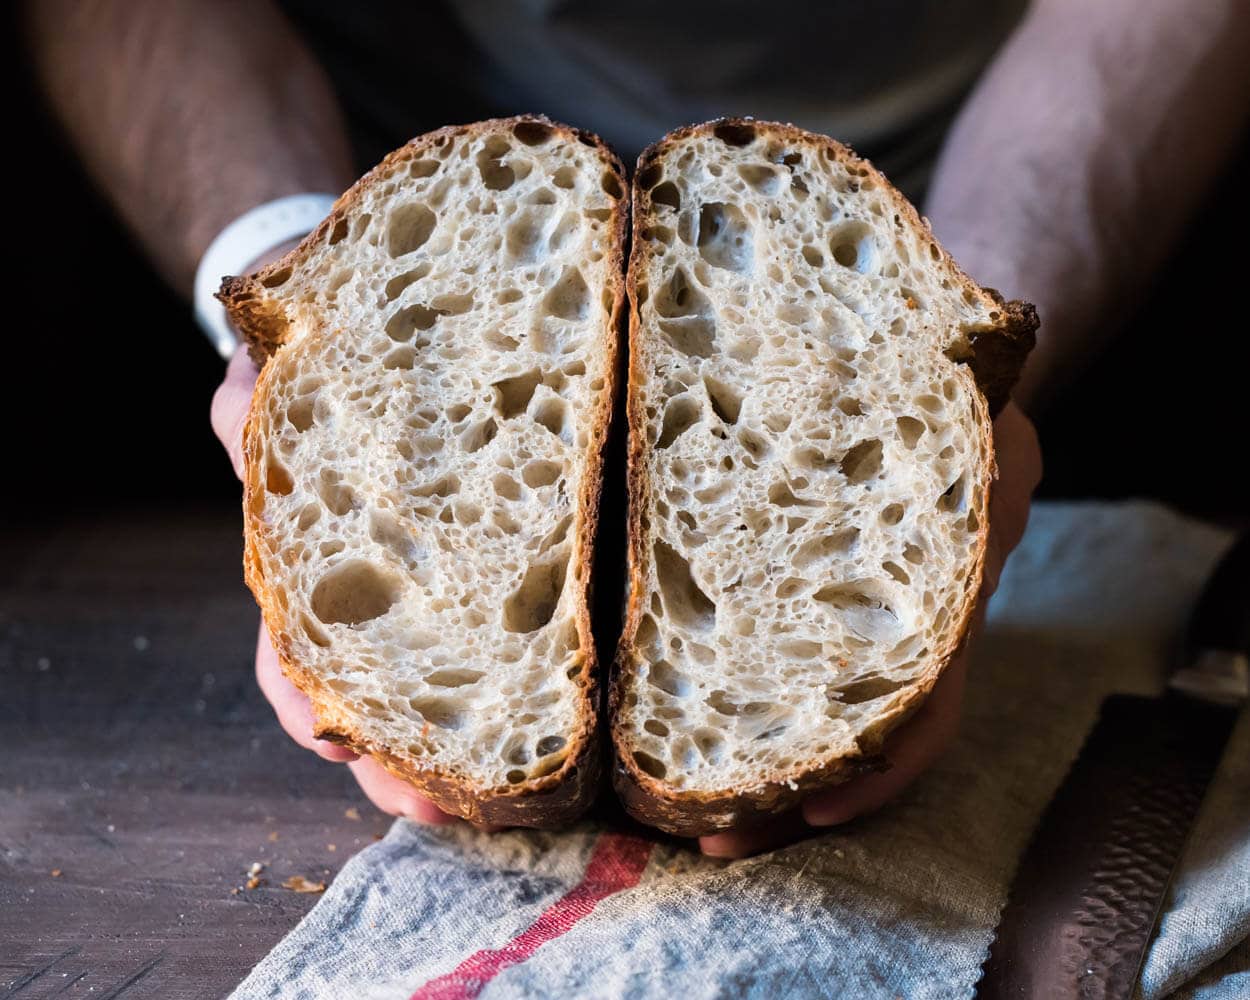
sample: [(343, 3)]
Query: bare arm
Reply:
[(187, 113), (1083, 152)]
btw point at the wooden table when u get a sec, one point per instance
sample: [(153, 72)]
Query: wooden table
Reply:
[(142, 772)]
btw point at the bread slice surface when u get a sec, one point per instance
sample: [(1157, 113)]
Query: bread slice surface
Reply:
[(423, 460), (810, 464)]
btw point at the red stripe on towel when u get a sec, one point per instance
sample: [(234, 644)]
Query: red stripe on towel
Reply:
[(615, 864)]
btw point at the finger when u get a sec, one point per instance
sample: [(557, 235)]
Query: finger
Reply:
[(396, 797), (777, 832), (1019, 460), (290, 704), (909, 752), (228, 411)]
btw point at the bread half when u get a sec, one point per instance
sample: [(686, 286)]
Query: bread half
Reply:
[(810, 394), (423, 460)]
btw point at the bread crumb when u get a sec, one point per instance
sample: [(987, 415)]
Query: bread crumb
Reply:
[(56, 873), (332, 847), (254, 883), (256, 868), (273, 836), (297, 883), (352, 813)]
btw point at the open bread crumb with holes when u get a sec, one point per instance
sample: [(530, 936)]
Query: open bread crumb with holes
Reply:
[(423, 460), (812, 381)]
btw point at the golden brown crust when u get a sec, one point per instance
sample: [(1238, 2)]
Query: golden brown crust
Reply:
[(548, 801), (995, 358)]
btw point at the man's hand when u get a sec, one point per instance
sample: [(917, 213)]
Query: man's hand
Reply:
[(294, 711), (922, 739)]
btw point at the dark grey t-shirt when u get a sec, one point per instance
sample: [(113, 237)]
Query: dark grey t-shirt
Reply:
[(884, 75)]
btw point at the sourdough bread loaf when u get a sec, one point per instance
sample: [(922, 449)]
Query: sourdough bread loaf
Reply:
[(811, 386), (423, 460)]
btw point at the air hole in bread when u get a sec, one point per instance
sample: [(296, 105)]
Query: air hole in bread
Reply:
[(781, 495), (552, 413), (509, 295), (525, 238), (567, 231), (897, 572), (665, 677), (854, 247), (422, 168), (444, 486), (401, 281), (539, 473), (515, 777), (402, 358), (800, 649), (722, 704), (756, 445), (864, 610), (452, 304), (688, 323), (867, 689), (279, 277), (533, 133), (762, 177), (389, 532), (836, 543), (405, 322), (735, 133), (496, 175), (649, 765), (479, 435), (684, 600), (300, 413), (565, 178), (569, 298), (611, 184), (893, 513), (277, 479), (680, 415), (533, 603), (500, 341), (408, 228), (953, 498), (862, 462), (655, 727), (339, 232), (309, 515), (724, 238), (440, 712), (549, 745), (647, 635), (354, 592), (726, 399), (507, 487), (338, 498), (667, 194), (910, 430), (513, 395)]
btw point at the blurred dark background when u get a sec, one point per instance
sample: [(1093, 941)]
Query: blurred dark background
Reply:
[(109, 380)]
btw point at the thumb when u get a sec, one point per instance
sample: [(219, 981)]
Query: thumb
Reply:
[(230, 403)]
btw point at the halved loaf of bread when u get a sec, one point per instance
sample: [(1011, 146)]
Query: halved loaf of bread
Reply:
[(810, 395), (423, 460)]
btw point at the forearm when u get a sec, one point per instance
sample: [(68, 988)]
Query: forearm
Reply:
[(1083, 152), (188, 113)]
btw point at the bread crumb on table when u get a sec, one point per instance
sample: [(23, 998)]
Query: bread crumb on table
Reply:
[(352, 813), (297, 883)]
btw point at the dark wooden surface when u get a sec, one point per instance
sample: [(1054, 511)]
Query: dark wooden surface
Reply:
[(141, 762)]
